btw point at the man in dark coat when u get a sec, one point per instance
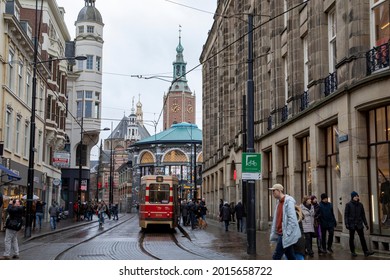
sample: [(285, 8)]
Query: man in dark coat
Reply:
[(226, 215), (327, 222), (239, 210), (355, 217)]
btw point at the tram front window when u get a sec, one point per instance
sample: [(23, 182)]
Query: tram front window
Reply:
[(159, 193)]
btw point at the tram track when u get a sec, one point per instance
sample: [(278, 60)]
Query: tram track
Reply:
[(164, 246), (101, 231), (65, 239)]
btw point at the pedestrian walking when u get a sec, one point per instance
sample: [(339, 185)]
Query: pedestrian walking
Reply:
[(203, 213), (102, 208), (184, 212), (354, 218), (327, 222), (239, 210), (308, 224), (285, 229), (193, 211), (226, 215), (115, 212), (12, 226), (317, 227), (39, 213), (53, 213)]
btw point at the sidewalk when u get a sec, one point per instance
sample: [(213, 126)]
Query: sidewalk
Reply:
[(235, 243), (45, 230)]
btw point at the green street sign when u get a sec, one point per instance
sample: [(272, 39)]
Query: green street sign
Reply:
[(251, 166)]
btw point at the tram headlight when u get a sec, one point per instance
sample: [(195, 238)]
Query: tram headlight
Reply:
[(148, 214)]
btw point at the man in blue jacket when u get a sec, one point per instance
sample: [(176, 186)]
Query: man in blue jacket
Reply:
[(355, 217), (285, 230)]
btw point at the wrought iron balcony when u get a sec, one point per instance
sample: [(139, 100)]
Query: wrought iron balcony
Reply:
[(269, 121), (284, 113), (377, 58), (330, 83), (304, 100)]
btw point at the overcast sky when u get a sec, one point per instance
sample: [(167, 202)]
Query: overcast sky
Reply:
[(140, 38)]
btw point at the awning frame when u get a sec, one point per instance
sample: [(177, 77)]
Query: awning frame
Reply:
[(12, 176)]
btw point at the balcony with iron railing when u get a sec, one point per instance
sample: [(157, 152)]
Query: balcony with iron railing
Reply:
[(304, 101), (330, 83), (377, 58)]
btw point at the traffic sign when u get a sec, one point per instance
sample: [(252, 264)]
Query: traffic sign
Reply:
[(251, 166)]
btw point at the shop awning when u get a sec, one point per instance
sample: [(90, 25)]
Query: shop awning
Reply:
[(12, 176)]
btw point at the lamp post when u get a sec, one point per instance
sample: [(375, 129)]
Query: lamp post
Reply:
[(30, 176)]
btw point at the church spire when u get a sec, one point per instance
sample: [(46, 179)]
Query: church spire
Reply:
[(139, 113), (179, 66)]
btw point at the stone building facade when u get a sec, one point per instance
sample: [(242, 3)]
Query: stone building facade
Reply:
[(322, 108), (18, 32)]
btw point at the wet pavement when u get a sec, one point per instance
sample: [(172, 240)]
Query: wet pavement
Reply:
[(235, 243), (213, 238)]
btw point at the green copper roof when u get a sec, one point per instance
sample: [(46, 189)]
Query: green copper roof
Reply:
[(178, 133)]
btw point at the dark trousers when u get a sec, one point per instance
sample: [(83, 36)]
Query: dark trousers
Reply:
[(309, 242), (327, 245), (361, 237), (226, 225), (280, 251), (239, 224), (184, 220)]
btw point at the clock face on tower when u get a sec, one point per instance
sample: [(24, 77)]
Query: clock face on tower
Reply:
[(175, 108), (190, 109)]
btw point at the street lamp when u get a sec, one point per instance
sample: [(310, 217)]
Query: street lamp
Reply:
[(30, 176)]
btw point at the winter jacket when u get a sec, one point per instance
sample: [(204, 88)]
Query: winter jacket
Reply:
[(308, 218), (239, 210), (225, 212), (290, 227), (354, 215), (53, 211), (326, 215)]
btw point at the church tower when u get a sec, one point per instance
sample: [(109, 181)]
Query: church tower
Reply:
[(179, 101)]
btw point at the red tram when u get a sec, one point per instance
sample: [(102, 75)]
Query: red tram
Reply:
[(158, 201)]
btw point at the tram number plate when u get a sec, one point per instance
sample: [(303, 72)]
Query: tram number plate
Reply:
[(158, 215)]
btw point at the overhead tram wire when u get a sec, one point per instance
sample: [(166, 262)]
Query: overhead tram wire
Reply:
[(151, 76), (226, 47)]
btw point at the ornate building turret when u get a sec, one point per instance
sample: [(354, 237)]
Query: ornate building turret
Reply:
[(83, 124)]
